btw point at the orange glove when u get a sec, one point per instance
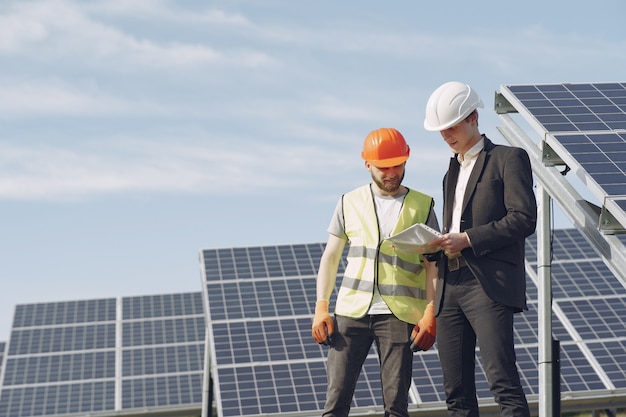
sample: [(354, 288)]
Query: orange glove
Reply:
[(323, 325), (424, 333)]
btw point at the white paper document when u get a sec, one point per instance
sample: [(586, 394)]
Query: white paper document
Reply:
[(415, 239)]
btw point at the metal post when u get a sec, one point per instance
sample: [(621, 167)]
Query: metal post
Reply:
[(544, 305), (556, 377), (207, 383)]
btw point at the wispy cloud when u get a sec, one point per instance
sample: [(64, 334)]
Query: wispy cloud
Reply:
[(56, 173), (54, 97), (163, 10), (64, 30)]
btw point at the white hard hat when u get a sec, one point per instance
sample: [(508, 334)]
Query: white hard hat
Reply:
[(449, 104)]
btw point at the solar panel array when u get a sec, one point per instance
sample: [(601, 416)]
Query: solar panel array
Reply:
[(585, 124), (105, 355), (142, 355), (260, 302)]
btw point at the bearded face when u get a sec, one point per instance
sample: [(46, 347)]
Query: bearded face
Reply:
[(388, 180)]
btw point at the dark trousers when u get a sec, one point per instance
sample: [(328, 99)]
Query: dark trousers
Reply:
[(468, 314), (352, 340)]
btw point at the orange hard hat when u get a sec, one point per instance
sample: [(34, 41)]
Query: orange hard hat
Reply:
[(385, 147)]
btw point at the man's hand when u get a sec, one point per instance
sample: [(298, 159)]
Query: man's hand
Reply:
[(424, 333), (323, 325), (452, 243)]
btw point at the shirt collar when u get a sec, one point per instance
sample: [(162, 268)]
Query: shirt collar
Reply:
[(472, 153)]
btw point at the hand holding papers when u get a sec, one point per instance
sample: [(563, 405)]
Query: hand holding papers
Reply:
[(415, 239)]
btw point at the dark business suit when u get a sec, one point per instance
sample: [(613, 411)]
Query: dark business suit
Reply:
[(478, 300)]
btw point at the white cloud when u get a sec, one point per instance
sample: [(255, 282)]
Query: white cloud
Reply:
[(333, 108), (55, 173), (16, 31), (43, 97), (61, 30), (168, 11)]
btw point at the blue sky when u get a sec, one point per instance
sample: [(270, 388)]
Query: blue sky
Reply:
[(133, 134)]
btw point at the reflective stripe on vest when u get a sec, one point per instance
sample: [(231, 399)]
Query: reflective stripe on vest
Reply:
[(400, 277)]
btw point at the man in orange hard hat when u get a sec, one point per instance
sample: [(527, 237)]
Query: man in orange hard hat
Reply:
[(385, 295)]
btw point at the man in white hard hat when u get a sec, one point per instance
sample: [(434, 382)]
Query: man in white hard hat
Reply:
[(489, 209)]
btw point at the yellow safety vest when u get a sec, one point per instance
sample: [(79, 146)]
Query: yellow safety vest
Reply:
[(400, 277)]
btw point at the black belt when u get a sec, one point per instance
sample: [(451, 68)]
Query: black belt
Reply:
[(454, 264)]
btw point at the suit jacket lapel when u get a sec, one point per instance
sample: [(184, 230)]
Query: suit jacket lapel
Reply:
[(477, 171), (449, 187), (474, 176)]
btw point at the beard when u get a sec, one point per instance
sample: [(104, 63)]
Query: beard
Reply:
[(389, 186)]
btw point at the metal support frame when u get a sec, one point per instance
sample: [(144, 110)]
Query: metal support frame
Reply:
[(612, 217), (609, 224), (585, 217)]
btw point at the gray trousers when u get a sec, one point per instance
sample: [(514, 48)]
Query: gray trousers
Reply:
[(352, 340)]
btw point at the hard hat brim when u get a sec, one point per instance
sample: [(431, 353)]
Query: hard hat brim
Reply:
[(441, 127), (390, 162), (451, 123)]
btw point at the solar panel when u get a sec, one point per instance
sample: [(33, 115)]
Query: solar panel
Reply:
[(260, 300), (574, 107), (585, 124), (2, 347), (105, 355)]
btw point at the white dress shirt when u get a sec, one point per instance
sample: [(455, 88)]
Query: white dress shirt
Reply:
[(467, 162)]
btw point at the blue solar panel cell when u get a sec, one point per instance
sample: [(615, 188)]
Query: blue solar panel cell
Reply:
[(82, 398), (161, 391), (261, 262), (567, 248), (577, 374), (572, 280), (275, 340), (62, 339), (154, 332), (527, 326), (426, 377), (597, 318), (3, 346), (290, 296), (71, 367), (286, 256), (601, 105), (621, 204), (163, 360), (72, 312), (60, 368), (611, 356), (602, 157), (156, 306), (291, 387)]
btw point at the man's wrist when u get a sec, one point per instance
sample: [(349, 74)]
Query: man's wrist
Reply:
[(469, 242)]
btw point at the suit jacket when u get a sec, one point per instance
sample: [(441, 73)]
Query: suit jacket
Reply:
[(499, 212)]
